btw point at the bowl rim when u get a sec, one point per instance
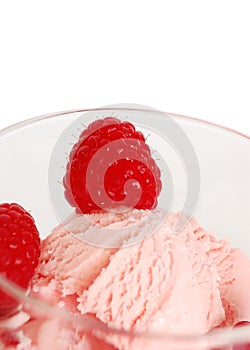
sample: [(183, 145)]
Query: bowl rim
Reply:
[(32, 120), (218, 337)]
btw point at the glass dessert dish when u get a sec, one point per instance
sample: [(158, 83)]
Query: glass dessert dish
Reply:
[(205, 174)]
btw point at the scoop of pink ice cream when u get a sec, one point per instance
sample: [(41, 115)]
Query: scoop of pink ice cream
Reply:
[(185, 283)]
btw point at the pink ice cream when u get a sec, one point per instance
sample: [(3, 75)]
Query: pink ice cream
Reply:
[(185, 283), (23, 332)]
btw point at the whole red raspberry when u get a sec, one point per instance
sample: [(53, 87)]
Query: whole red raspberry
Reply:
[(108, 154), (19, 249)]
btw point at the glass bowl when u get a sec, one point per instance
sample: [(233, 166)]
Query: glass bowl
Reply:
[(208, 171)]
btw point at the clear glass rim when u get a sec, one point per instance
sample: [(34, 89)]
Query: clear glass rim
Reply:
[(218, 337), (36, 119)]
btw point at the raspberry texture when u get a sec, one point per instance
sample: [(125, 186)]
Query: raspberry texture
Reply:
[(19, 249), (139, 167)]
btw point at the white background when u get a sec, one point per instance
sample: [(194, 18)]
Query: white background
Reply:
[(187, 57)]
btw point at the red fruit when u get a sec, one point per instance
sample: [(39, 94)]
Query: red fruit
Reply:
[(242, 323), (19, 249), (108, 154), (9, 339), (245, 346)]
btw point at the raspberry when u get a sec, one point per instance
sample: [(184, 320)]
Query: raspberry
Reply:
[(245, 346), (112, 141), (242, 323), (19, 249), (9, 339)]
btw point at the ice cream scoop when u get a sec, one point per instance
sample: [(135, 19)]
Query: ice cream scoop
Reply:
[(185, 283)]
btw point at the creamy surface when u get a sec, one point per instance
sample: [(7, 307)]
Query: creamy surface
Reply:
[(185, 283)]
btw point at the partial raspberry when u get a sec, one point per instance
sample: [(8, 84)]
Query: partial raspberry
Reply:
[(242, 323), (9, 339), (139, 166), (19, 249), (245, 346), (242, 346)]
